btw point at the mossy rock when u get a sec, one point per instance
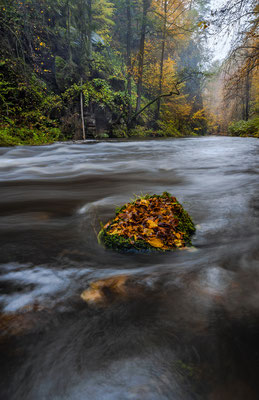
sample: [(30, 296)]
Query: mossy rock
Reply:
[(149, 223)]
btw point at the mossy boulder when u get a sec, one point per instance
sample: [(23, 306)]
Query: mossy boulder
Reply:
[(149, 223)]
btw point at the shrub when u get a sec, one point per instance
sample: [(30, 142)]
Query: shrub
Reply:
[(245, 128), (168, 129), (141, 132), (15, 136)]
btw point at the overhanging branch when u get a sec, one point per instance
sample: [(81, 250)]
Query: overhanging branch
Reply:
[(153, 101)]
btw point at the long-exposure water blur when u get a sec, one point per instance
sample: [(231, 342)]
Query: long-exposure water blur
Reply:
[(189, 328)]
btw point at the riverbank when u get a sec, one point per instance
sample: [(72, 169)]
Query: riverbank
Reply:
[(13, 136), (20, 136)]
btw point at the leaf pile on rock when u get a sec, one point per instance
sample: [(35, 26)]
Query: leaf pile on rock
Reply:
[(157, 222)]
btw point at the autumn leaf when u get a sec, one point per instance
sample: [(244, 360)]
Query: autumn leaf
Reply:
[(155, 242), (115, 232), (144, 202), (147, 231), (151, 224)]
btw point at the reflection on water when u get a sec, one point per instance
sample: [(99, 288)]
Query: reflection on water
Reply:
[(185, 325)]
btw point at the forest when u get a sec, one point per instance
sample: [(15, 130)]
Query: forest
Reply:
[(84, 69)]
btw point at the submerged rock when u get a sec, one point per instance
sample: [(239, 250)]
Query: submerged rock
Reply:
[(27, 320), (105, 290), (157, 222), (120, 289)]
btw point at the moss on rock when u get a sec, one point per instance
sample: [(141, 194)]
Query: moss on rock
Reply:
[(149, 223)]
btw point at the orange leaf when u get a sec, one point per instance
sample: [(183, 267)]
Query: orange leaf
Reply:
[(156, 242), (151, 224), (144, 202), (115, 232)]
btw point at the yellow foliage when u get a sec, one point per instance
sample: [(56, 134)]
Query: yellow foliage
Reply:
[(199, 115)]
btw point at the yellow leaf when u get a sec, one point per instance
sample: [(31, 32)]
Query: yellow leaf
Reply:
[(155, 242), (147, 231), (115, 232), (151, 224), (144, 202)]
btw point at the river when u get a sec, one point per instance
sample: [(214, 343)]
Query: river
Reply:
[(189, 329)]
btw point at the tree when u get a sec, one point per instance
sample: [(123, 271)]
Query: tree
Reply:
[(240, 19), (173, 23), (145, 8)]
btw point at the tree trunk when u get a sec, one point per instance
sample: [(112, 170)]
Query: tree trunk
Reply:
[(68, 31), (247, 97), (82, 110), (89, 29), (162, 62), (146, 4), (129, 66)]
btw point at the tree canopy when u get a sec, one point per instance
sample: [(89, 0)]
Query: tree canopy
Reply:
[(96, 68)]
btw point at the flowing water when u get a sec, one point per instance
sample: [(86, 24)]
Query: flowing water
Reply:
[(189, 327)]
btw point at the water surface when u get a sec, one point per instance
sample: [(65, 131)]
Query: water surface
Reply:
[(189, 329)]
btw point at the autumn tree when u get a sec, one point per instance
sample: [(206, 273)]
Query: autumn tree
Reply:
[(241, 66), (173, 25)]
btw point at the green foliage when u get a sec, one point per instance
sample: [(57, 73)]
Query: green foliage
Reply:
[(138, 132), (28, 111), (101, 63), (245, 128), (72, 93), (168, 129), (141, 132), (99, 92), (52, 105), (66, 73), (19, 91), (13, 136), (120, 132), (103, 136)]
